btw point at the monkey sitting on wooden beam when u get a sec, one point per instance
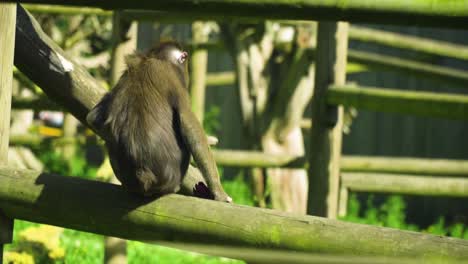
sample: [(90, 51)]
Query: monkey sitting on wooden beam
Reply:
[(150, 128)]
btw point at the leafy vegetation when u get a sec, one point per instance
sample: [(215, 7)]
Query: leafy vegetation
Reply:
[(392, 214)]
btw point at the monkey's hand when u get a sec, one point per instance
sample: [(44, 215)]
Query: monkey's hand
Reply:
[(222, 197)]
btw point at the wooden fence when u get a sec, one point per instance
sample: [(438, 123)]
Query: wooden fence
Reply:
[(180, 218)]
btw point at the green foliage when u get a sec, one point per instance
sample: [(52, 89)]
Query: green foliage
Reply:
[(438, 228), (77, 166), (211, 122), (35, 243), (81, 247), (392, 214), (239, 190), (143, 253)]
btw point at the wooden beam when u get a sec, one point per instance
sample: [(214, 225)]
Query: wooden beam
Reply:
[(434, 13), (239, 158), (409, 66), (429, 104), (405, 184), (108, 209), (357, 33), (7, 40), (408, 42), (270, 256), (436, 167), (66, 10), (325, 135), (220, 78)]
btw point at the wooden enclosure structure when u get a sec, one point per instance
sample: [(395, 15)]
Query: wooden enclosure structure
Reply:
[(173, 217)]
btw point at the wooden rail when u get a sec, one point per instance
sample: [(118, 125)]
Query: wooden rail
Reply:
[(435, 13), (405, 184), (108, 209), (428, 104)]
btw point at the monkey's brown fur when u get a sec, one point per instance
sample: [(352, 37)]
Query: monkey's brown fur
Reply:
[(151, 130)]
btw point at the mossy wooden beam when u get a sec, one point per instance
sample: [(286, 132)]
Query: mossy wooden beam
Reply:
[(440, 167), (408, 42), (438, 13), (236, 158), (66, 10), (108, 209), (364, 34), (437, 167), (451, 106), (220, 78), (408, 66), (270, 256), (405, 184)]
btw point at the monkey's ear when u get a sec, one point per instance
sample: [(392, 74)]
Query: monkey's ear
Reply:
[(97, 117)]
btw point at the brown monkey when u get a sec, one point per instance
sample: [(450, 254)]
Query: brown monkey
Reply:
[(150, 128)]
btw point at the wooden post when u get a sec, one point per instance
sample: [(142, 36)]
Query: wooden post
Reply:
[(7, 45), (198, 68), (325, 138), (343, 201), (124, 43), (70, 126)]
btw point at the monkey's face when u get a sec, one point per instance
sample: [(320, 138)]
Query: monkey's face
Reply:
[(177, 56), (172, 51)]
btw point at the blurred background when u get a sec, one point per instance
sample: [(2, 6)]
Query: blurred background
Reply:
[(251, 86)]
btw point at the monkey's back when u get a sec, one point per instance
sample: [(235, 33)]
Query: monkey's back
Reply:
[(147, 152)]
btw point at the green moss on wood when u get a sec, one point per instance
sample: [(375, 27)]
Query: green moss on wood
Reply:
[(108, 209), (397, 101)]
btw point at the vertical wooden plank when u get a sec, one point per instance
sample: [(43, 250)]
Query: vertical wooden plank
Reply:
[(124, 35), (7, 44), (325, 135), (343, 202), (198, 68), (70, 127)]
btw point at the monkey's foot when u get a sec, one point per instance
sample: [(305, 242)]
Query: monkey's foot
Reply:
[(202, 191)]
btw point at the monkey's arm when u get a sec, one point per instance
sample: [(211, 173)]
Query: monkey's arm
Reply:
[(195, 138), (96, 118)]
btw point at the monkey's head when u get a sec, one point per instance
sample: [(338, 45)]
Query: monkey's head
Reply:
[(171, 51)]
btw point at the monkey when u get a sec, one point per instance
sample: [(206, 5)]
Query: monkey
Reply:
[(149, 128)]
